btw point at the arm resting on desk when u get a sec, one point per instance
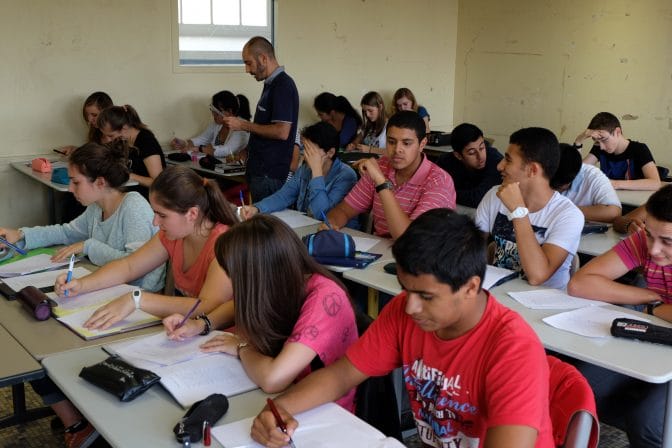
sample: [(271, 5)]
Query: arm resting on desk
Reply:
[(600, 213)]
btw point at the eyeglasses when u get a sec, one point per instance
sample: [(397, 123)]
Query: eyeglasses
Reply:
[(214, 110)]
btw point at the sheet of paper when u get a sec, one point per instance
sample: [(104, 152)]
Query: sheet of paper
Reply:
[(197, 378), (326, 426), (41, 262), (159, 350), (42, 279), (592, 321), (295, 219), (552, 299), (89, 300), (137, 319), (364, 244), (494, 275)]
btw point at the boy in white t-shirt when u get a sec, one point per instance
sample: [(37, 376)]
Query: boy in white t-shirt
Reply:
[(536, 230), (586, 186)]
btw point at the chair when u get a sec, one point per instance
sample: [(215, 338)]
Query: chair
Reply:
[(572, 407)]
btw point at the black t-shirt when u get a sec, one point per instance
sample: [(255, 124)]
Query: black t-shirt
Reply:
[(471, 185), (145, 145), (627, 165)]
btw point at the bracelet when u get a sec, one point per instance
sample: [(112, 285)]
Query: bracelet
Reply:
[(652, 306), (627, 226), (208, 325)]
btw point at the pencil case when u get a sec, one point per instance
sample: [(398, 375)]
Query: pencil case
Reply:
[(119, 378), (641, 330), (41, 165), (36, 302), (330, 243), (60, 176), (210, 409)]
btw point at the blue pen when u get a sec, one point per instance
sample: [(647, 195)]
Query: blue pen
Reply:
[(326, 221), (242, 201), (71, 266), (14, 247)]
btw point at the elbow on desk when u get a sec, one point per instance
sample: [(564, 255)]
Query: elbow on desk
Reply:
[(272, 385)]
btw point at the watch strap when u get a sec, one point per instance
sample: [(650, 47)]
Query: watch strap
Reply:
[(137, 296), (387, 185)]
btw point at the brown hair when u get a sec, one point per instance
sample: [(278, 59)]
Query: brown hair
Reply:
[(268, 266), (102, 101), (109, 161), (373, 127), (403, 92), (179, 188), (119, 116)]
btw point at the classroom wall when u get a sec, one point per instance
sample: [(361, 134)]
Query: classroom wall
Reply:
[(555, 64), (55, 53)]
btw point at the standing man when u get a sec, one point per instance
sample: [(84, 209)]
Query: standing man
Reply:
[(273, 130)]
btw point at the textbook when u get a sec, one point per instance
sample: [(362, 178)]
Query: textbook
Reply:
[(136, 320), (188, 374), (325, 426)]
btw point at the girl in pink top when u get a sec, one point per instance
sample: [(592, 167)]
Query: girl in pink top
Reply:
[(291, 314), (191, 213)]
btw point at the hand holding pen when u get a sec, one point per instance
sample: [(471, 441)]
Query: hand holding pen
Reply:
[(12, 246), (71, 266), (265, 427)]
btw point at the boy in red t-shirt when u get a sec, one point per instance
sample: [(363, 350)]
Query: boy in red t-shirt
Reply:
[(475, 372)]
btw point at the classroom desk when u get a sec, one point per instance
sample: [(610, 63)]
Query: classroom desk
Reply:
[(49, 337), (239, 178), (439, 149), (598, 243), (18, 366), (635, 198), (146, 421)]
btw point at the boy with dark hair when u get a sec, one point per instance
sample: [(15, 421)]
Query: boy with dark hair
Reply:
[(586, 186), (629, 164), (472, 164), (463, 389), (400, 186), (536, 230)]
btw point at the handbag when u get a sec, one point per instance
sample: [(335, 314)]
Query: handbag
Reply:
[(119, 378)]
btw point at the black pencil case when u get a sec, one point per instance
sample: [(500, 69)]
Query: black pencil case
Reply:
[(210, 409), (36, 302), (119, 378), (641, 330)]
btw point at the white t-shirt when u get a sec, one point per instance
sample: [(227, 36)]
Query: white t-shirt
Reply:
[(591, 187), (559, 223)]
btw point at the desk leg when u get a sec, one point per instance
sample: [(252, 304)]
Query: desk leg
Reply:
[(372, 307), (667, 423), (21, 414), (51, 200)]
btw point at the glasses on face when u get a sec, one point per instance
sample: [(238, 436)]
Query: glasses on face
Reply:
[(214, 110)]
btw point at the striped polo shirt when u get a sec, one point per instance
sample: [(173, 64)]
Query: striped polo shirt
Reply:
[(634, 252), (430, 187)]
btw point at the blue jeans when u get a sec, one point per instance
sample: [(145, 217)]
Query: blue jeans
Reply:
[(635, 406), (263, 186)]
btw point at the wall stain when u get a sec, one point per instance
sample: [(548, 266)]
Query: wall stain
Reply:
[(512, 53), (629, 117)]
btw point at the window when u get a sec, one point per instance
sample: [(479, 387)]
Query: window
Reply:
[(213, 32)]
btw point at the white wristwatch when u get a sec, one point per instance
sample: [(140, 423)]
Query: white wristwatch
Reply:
[(519, 212), (137, 295)]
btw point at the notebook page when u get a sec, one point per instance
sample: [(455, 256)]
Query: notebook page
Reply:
[(41, 262), (295, 219), (553, 299), (89, 300), (136, 320), (42, 279), (593, 322)]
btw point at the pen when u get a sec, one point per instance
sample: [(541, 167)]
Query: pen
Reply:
[(207, 440), (326, 221), (14, 247), (279, 420), (71, 266), (60, 152), (189, 313), (242, 201)]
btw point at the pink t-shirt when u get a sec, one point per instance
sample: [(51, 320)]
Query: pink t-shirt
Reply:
[(326, 325), (634, 252), (495, 374), (430, 187), (191, 281)]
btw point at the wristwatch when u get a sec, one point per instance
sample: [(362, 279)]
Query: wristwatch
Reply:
[(519, 212), (577, 145), (387, 185), (137, 295), (241, 345), (652, 306)]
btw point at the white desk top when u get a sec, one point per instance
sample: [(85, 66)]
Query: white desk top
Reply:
[(237, 177), (44, 178), (598, 243), (645, 361), (635, 198), (146, 421)]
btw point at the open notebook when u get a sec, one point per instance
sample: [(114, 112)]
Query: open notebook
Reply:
[(325, 426), (186, 373)]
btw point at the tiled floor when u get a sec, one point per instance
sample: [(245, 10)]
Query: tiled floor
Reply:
[(38, 434)]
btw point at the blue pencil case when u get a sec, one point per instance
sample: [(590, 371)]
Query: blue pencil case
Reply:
[(359, 261)]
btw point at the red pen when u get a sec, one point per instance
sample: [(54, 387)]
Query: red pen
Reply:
[(206, 433), (280, 422)]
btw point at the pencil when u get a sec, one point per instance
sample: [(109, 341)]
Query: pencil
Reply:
[(279, 420), (189, 313)]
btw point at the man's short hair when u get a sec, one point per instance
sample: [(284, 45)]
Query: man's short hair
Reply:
[(569, 167), (260, 45), (659, 204), (408, 119), (463, 134), (604, 121), (538, 145), (444, 244), (323, 135)]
